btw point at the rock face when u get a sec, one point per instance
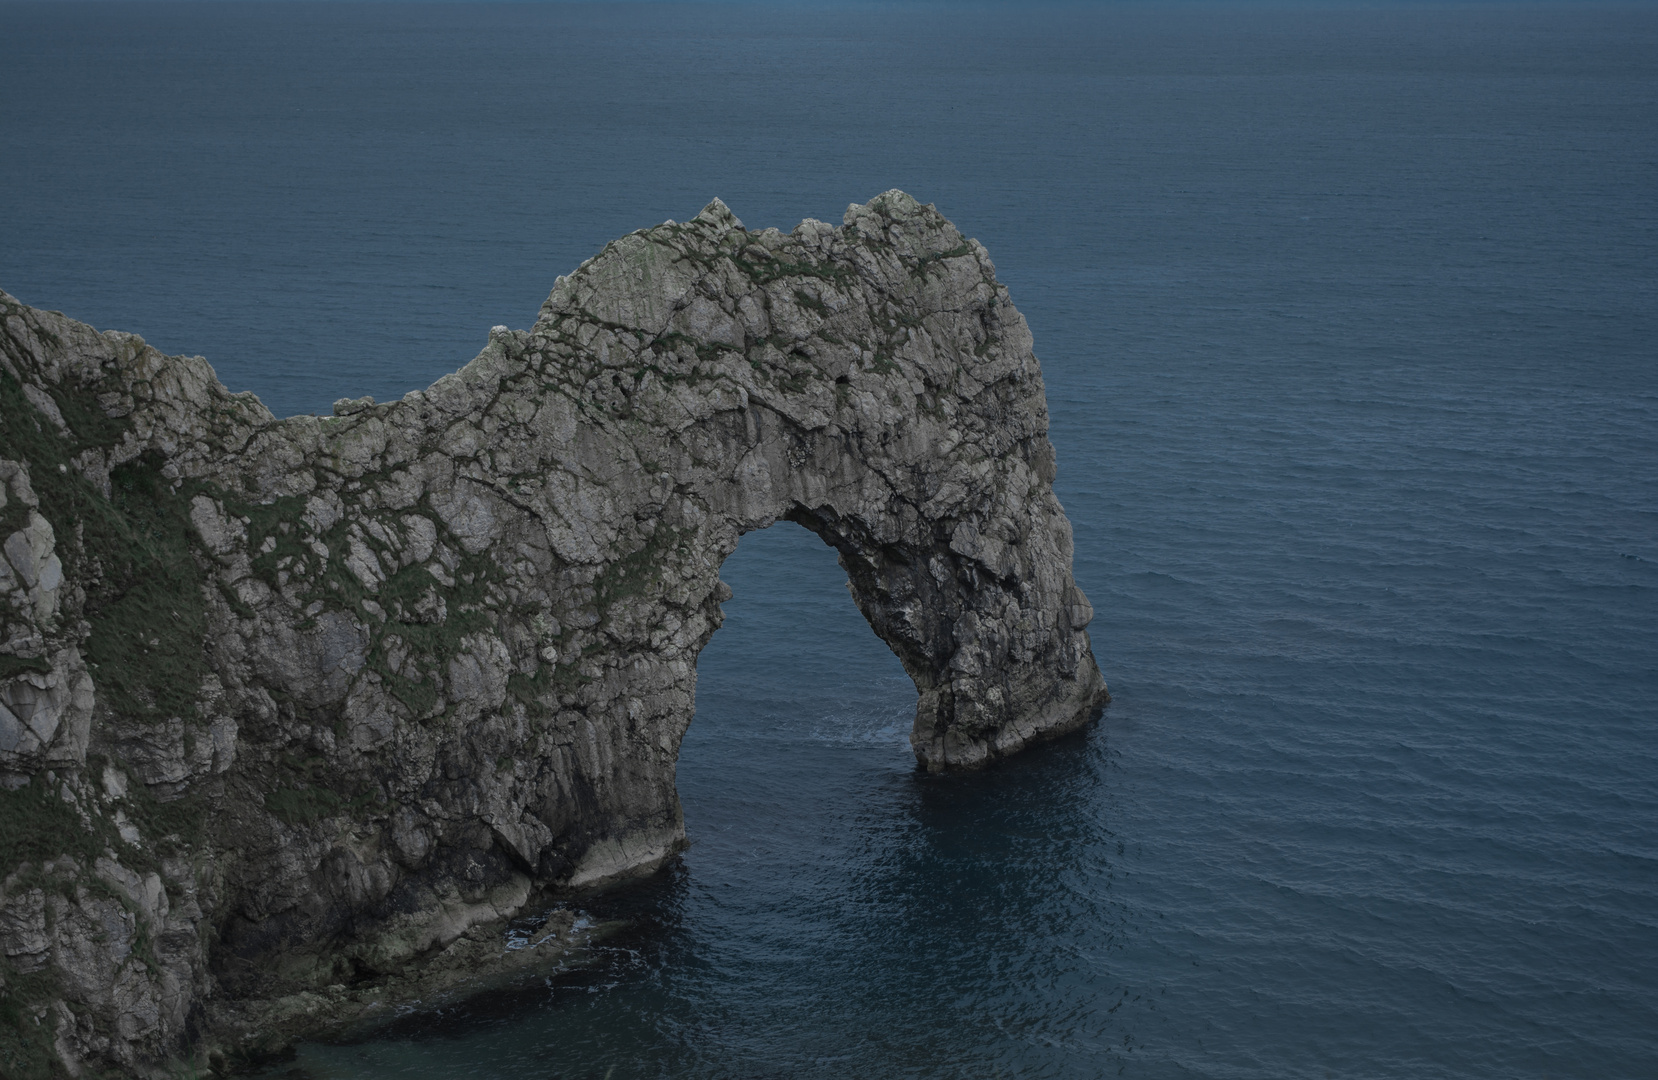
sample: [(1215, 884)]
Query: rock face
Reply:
[(286, 704)]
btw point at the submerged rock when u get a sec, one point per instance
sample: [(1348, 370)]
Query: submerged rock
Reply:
[(291, 706)]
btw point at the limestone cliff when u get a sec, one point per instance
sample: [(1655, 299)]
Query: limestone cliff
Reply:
[(286, 704)]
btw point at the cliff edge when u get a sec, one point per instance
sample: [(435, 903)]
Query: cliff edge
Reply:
[(289, 704)]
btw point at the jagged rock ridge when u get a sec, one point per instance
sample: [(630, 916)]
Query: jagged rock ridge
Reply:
[(290, 703)]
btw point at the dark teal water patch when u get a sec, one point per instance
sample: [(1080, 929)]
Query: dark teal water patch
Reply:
[(1347, 317)]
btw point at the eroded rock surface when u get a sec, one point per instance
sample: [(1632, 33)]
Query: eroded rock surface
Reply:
[(287, 705)]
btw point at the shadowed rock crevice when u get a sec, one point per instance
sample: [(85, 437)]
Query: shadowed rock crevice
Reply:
[(318, 697)]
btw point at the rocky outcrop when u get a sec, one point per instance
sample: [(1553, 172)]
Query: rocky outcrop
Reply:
[(292, 704)]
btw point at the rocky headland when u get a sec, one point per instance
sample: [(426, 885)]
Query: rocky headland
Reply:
[(294, 708)]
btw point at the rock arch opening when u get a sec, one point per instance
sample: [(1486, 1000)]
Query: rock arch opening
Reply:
[(794, 663)]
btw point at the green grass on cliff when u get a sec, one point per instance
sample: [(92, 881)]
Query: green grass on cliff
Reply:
[(131, 551), (26, 1051), (149, 619), (40, 825), (635, 573)]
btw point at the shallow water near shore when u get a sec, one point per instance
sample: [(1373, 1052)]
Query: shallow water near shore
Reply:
[(1347, 320)]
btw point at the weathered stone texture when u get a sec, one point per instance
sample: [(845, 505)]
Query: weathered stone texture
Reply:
[(315, 696)]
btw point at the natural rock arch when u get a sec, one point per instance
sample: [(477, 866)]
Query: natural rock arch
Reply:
[(424, 655)]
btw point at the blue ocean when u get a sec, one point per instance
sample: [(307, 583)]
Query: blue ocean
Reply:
[(1348, 315)]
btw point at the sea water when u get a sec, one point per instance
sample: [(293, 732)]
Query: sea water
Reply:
[(1348, 321)]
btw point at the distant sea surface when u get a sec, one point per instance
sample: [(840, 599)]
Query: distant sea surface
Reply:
[(1349, 322)]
